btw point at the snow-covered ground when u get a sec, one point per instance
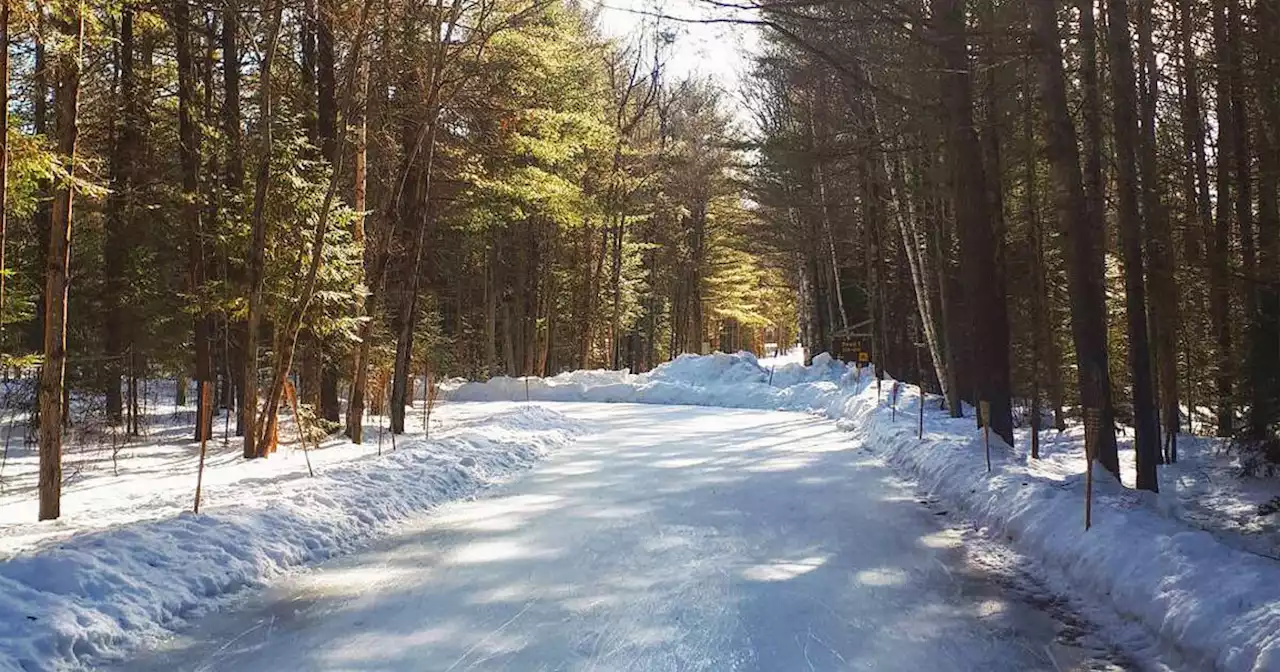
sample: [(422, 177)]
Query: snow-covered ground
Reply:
[(1205, 596), (126, 564), (671, 538), (127, 561)]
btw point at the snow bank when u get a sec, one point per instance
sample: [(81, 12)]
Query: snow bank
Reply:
[(1215, 606), (99, 594)]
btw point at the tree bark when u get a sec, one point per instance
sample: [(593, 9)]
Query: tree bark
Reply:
[(257, 247), (360, 365), (1163, 304), (4, 163), (116, 243), (1219, 251), (234, 177), (1081, 231), (53, 368), (979, 241), (189, 157), (1125, 120), (1265, 349), (327, 110)]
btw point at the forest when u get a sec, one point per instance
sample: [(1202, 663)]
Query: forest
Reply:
[(1058, 211), (1069, 208), (352, 196)]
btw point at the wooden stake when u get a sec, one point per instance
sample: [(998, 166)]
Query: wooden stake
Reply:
[(984, 411), (432, 390), (206, 397), (426, 393), (388, 402), (292, 396), (1092, 420)]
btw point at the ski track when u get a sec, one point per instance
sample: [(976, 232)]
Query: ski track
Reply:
[(674, 538)]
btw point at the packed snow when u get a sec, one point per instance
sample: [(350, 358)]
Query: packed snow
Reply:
[(671, 538), (127, 565), (128, 562), (1205, 597)]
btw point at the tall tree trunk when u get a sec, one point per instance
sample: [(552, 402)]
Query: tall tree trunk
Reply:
[(257, 247), (1160, 254), (189, 157), (287, 337), (979, 242), (1196, 198), (1220, 250), (44, 186), (53, 367), (1125, 119), (1040, 333), (4, 163), (327, 110), (1082, 233), (234, 182), (360, 365), (1242, 164), (117, 240), (1265, 350)]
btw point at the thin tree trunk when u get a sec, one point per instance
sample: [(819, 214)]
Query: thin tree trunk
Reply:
[(1242, 164), (288, 337), (1159, 239), (234, 182), (189, 157), (1265, 350), (117, 240), (1125, 119), (4, 163), (1219, 284), (360, 364), (252, 447), (53, 368), (327, 110)]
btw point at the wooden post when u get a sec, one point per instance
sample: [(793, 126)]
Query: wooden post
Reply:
[(1092, 421), (426, 393), (921, 433), (388, 402), (984, 413), (382, 395), (292, 395), (920, 371), (205, 412), (430, 403), (893, 401)]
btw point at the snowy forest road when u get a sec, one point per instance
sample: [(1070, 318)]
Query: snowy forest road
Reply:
[(673, 538)]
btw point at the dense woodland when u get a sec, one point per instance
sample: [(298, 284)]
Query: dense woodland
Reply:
[(1070, 208), (354, 195), (1059, 209)]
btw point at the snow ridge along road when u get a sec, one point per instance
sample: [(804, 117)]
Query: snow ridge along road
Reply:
[(670, 538), (98, 595), (1199, 599)]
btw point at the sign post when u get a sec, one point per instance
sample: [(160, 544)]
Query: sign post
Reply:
[(984, 409)]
